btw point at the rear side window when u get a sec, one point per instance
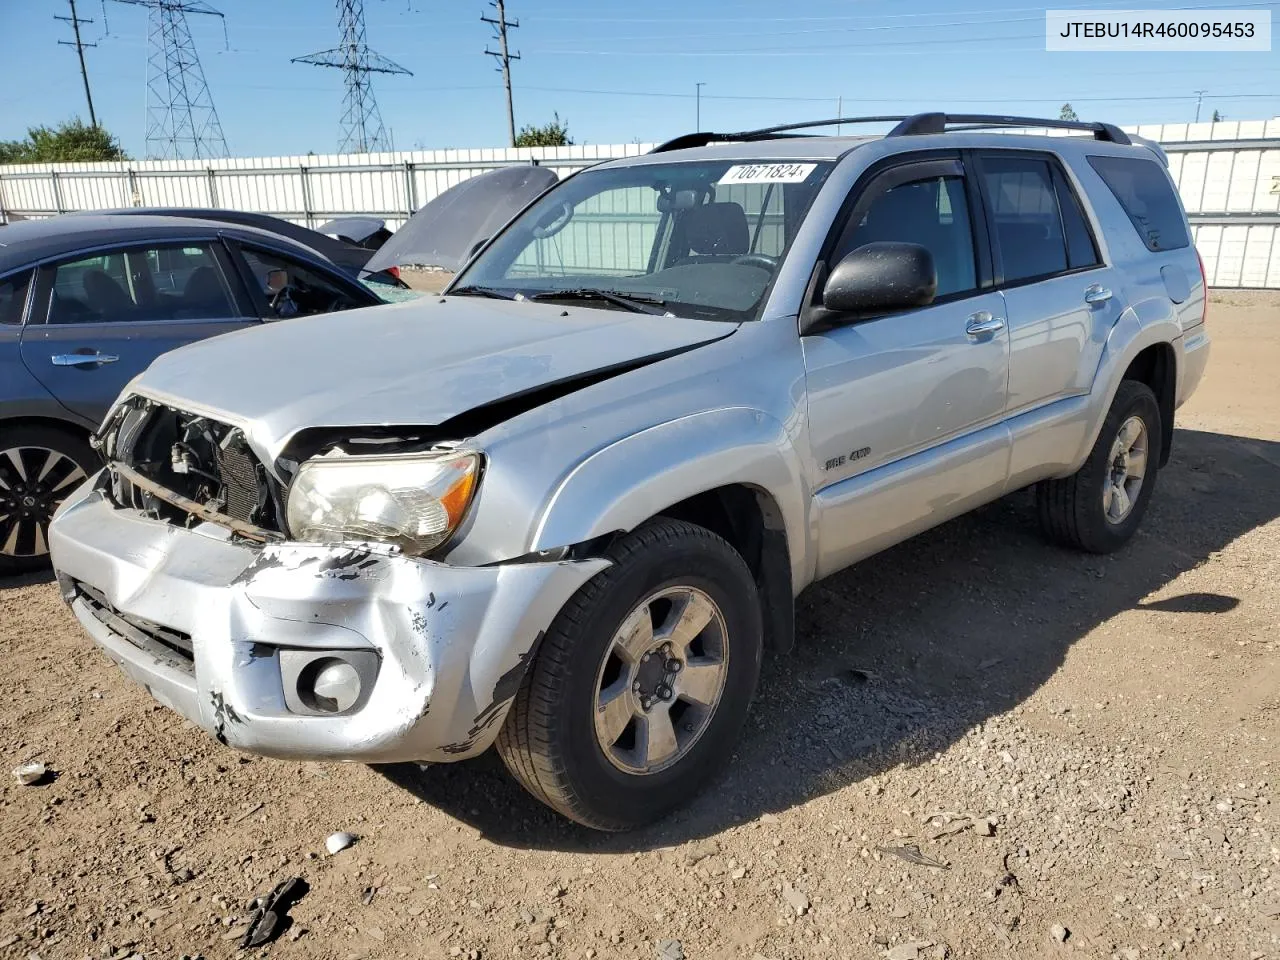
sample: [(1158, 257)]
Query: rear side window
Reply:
[(1147, 197), (1081, 250), (13, 297), (1024, 209)]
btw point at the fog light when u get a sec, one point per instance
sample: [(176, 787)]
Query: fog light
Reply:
[(330, 686)]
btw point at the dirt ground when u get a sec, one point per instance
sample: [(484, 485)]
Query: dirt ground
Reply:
[(1112, 723)]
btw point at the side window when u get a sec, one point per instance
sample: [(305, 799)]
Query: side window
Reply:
[(932, 213), (291, 289), (1025, 218), (13, 297), (1144, 191), (1081, 250), (155, 282)]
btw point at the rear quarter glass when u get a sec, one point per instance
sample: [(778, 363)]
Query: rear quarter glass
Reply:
[(1147, 196)]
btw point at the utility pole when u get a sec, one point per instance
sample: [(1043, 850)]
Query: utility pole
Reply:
[(1199, 100), (697, 128), (80, 45), (500, 27)]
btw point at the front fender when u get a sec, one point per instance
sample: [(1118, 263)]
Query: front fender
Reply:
[(633, 479)]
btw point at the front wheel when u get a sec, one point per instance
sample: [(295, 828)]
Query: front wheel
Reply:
[(1099, 507), (39, 467), (640, 688)]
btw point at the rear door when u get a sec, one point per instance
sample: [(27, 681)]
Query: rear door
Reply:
[(1062, 300), (98, 319)]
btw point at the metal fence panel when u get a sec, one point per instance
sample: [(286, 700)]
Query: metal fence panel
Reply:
[(1228, 175)]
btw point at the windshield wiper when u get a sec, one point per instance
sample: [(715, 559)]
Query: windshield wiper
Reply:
[(636, 303), (491, 292)]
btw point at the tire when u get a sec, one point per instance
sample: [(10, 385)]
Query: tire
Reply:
[(39, 467), (1078, 511), (550, 741)]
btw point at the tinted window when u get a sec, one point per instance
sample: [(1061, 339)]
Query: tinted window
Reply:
[(1147, 197), (932, 213), (1081, 250), (13, 297), (291, 289), (1024, 209), (159, 282)]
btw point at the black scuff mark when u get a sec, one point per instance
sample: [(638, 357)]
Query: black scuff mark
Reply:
[(260, 651), (431, 600), (348, 565), (418, 621), (504, 691), (264, 562), (223, 713), (444, 604)]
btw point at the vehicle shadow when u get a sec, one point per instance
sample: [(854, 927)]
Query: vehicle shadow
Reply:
[(901, 655), (25, 579)]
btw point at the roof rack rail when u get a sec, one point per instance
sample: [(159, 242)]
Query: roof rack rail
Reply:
[(918, 125), (926, 123)]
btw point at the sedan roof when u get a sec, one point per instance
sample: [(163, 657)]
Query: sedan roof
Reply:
[(31, 241)]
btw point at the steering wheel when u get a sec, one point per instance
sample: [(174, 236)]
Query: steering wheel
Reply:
[(761, 260), (284, 295)]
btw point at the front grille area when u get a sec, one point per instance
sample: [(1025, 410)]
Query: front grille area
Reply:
[(172, 646), (186, 468)]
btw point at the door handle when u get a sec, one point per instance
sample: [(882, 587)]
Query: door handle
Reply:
[(982, 323), (82, 359), (1097, 294)]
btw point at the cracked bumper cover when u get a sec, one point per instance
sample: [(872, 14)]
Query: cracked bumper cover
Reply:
[(452, 642)]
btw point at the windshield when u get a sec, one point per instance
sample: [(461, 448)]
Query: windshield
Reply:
[(701, 239)]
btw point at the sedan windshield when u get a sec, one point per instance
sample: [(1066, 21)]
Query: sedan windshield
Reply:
[(698, 239)]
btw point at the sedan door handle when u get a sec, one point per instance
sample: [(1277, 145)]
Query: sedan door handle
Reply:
[(82, 359), (982, 323), (1097, 294)]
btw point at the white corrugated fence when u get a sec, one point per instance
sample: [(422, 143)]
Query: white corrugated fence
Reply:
[(1227, 173)]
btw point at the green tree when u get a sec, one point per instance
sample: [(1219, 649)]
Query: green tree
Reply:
[(1218, 117), (72, 141), (552, 134), (1068, 112)]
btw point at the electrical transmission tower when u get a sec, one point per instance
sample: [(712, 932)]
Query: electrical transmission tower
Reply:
[(181, 120), (80, 45), (361, 129), (504, 56)]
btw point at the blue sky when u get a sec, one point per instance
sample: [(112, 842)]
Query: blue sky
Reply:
[(617, 70)]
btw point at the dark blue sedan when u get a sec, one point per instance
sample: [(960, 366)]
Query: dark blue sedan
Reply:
[(87, 302)]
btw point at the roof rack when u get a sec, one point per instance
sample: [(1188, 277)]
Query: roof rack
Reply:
[(918, 125)]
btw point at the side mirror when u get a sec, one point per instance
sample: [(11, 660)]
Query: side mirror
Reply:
[(475, 248), (880, 277)]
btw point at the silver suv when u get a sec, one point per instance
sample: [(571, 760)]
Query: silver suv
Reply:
[(565, 507)]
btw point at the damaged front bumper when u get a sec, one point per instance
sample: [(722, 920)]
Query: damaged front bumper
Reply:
[(227, 633)]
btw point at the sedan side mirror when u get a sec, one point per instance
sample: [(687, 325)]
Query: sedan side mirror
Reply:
[(881, 277)]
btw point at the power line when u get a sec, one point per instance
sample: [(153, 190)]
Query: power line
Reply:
[(79, 44), (182, 122), (360, 129), (504, 56)]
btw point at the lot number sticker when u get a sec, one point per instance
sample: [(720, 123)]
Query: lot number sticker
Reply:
[(767, 173)]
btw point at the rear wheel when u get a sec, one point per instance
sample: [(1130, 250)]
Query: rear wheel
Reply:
[(640, 687), (39, 468), (1099, 507)]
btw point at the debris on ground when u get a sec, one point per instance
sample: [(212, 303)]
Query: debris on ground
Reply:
[(29, 774), (337, 842), (670, 950), (911, 853), (796, 899), (270, 918), (1059, 932)]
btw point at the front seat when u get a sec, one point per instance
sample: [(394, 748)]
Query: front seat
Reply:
[(106, 297), (202, 296), (715, 231)]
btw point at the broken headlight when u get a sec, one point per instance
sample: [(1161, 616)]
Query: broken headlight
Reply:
[(414, 501)]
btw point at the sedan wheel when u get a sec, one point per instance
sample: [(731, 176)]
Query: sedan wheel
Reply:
[(38, 469)]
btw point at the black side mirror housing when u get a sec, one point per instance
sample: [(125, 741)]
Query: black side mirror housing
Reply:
[(882, 277)]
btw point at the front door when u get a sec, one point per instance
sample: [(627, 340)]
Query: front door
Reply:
[(99, 320), (904, 409)]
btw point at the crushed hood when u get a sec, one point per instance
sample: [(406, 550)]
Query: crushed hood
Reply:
[(412, 364)]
